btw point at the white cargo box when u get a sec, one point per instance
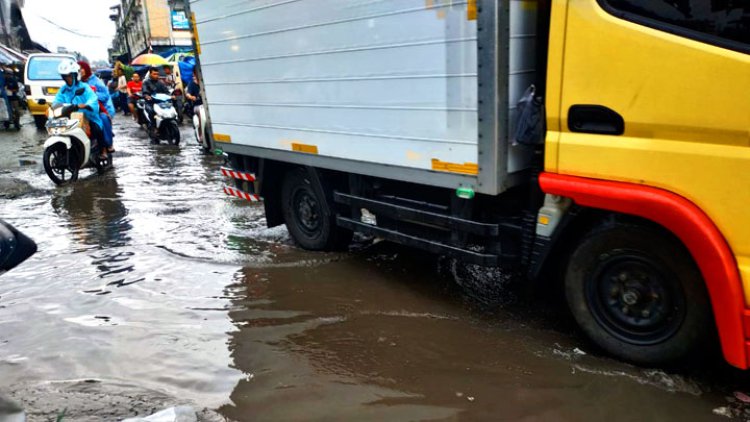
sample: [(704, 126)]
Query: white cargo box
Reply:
[(415, 90)]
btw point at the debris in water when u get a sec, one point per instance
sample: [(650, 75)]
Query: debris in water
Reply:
[(173, 414), (470, 398), (742, 397), (579, 352), (459, 394), (723, 411)]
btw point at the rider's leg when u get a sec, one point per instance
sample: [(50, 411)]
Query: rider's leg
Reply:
[(107, 129), (97, 140)]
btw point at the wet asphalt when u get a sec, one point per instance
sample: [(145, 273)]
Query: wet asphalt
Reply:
[(151, 288)]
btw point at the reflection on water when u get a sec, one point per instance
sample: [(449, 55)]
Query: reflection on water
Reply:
[(95, 211)]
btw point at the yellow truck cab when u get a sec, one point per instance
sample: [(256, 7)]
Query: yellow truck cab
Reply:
[(676, 74), (399, 119), (42, 83)]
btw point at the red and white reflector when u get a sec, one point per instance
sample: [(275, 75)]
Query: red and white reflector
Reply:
[(240, 194), (227, 172)]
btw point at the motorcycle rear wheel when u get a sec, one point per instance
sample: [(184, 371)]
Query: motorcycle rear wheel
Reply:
[(173, 132)]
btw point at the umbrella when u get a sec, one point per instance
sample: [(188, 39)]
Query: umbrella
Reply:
[(149, 60)]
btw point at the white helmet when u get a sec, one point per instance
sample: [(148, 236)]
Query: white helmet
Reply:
[(68, 66)]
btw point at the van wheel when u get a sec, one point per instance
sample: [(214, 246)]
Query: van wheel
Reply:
[(40, 121), (636, 292), (310, 222)]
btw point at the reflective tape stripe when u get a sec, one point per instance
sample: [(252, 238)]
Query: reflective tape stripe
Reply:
[(237, 174), (243, 195)]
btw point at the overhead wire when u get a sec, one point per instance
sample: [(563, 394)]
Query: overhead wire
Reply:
[(74, 32)]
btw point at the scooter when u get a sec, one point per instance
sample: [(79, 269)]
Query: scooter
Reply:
[(140, 109), (69, 149), (199, 127), (165, 120)]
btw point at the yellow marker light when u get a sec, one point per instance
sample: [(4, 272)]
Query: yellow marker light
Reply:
[(308, 149), (543, 220), (220, 137)]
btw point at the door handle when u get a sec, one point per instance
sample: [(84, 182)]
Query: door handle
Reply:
[(592, 118)]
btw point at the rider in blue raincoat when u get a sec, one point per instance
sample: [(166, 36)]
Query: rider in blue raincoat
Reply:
[(102, 94), (86, 101)]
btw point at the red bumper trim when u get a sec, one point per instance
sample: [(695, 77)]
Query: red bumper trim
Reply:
[(692, 226), (227, 172), (240, 194)]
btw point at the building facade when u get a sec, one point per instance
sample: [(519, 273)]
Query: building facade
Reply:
[(149, 25), (13, 31)]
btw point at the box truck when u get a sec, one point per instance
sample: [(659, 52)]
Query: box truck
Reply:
[(413, 121)]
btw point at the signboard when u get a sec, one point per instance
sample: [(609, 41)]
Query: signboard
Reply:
[(180, 20)]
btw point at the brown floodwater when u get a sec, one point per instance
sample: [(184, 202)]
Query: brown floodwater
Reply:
[(149, 277)]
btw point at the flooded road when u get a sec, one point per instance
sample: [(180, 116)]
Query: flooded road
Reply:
[(151, 288)]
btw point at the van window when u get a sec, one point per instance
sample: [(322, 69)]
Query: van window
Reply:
[(43, 68), (722, 22)]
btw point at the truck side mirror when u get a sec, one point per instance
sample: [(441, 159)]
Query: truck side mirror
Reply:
[(15, 247)]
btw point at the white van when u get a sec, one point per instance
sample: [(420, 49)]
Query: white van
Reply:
[(42, 82)]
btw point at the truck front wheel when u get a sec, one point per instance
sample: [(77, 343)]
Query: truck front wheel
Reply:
[(308, 218), (636, 292)]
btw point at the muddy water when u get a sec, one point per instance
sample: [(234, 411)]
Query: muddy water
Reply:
[(149, 279)]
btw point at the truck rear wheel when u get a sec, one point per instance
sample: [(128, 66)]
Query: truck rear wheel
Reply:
[(307, 216), (636, 292)]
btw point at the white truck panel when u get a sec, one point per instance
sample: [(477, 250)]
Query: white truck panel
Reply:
[(380, 82), (390, 82)]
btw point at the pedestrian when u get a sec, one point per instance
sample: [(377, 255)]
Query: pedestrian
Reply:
[(122, 88), (168, 79), (134, 87), (193, 93)]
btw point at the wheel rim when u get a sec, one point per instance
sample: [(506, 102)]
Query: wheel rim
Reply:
[(58, 164), (306, 211), (635, 300)]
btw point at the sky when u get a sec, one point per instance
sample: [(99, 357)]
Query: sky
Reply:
[(89, 18)]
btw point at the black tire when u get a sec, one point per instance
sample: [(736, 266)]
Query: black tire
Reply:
[(60, 174), (311, 225), (104, 164), (636, 292), (174, 133), (40, 121)]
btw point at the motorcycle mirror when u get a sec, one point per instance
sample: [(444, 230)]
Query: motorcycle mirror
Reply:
[(15, 247), (80, 91)]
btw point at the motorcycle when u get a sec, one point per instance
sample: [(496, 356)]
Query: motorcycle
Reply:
[(140, 109), (165, 120), (199, 127), (69, 149)]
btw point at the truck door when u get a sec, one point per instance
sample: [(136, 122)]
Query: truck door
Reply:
[(658, 93)]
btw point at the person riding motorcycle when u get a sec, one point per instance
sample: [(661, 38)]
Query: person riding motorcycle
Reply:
[(80, 94), (106, 107), (152, 86)]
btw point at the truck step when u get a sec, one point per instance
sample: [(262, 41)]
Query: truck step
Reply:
[(243, 195), (415, 242), (227, 172), (401, 212)]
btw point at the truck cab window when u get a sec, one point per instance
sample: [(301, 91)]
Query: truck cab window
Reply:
[(725, 23)]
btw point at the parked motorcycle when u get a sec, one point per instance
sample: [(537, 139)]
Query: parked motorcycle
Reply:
[(199, 127), (69, 149), (165, 120)]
